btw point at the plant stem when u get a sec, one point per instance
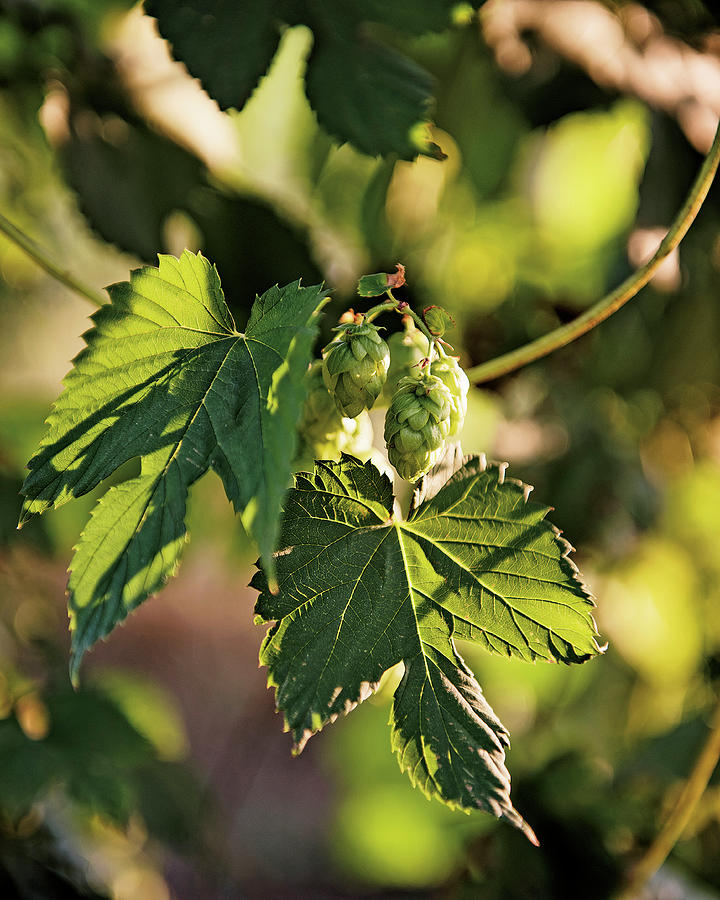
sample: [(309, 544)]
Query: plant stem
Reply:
[(392, 304), (679, 817), (379, 309), (609, 304), (43, 260), (407, 311)]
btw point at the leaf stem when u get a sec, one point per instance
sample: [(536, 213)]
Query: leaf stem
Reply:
[(609, 304), (672, 830), (37, 254)]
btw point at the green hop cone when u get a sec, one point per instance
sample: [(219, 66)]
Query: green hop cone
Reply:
[(355, 367), (320, 416), (355, 436), (449, 371), (324, 432), (417, 425), (407, 348)]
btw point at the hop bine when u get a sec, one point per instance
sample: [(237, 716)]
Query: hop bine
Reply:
[(417, 424)]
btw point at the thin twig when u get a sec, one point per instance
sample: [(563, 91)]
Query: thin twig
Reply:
[(37, 254), (672, 830), (609, 304)]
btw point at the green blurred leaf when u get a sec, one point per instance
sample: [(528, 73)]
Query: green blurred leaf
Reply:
[(90, 749), (27, 769), (172, 802), (228, 46), (362, 92), (412, 16), (360, 591), (94, 753), (167, 378), (149, 709), (127, 187), (370, 96)]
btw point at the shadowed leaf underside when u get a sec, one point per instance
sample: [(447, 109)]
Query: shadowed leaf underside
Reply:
[(360, 591)]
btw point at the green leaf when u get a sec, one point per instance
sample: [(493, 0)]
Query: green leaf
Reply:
[(377, 284), (167, 378), (90, 748), (370, 96), (228, 46), (361, 590), (128, 186), (362, 92), (373, 285), (438, 320)]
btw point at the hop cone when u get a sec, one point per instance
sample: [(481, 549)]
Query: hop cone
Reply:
[(417, 424), (324, 433), (354, 368), (407, 348), (448, 370)]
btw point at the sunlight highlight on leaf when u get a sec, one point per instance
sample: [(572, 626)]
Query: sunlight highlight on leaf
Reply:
[(166, 378)]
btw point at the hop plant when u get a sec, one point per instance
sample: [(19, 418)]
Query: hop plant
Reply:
[(353, 436), (324, 432), (320, 417), (417, 424), (355, 367), (407, 348), (449, 371)]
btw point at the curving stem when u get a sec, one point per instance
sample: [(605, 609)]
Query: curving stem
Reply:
[(676, 822), (618, 297)]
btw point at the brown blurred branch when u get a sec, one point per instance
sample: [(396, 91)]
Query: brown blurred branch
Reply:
[(627, 51), (672, 830), (609, 304)]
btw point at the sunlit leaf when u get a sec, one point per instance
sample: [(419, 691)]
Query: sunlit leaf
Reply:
[(167, 378)]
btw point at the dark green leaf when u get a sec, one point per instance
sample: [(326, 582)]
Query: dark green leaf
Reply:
[(227, 45), (128, 187), (370, 96), (90, 748), (362, 92), (173, 802), (361, 590), (28, 769), (167, 378), (500, 568)]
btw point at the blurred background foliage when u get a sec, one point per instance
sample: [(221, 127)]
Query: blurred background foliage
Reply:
[(572, 132)]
